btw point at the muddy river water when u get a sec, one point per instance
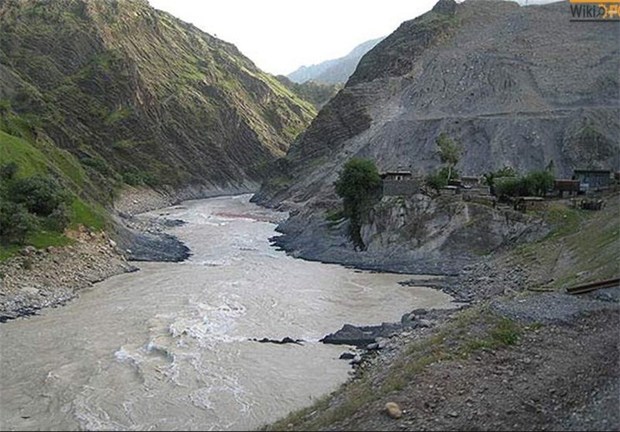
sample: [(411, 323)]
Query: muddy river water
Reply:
[(168, 347)]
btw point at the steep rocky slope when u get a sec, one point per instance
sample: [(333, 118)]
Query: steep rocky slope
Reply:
[(137, 96), (336, 71), (314, 92), (519, 86)]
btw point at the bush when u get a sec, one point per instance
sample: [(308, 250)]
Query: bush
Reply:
[(58, 220), (536, 183), (441, 178), (437, 180), (40, 195), (540, 182), (8, 171), (15, 223)]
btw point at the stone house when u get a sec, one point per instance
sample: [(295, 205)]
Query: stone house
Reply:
[(399, 183)]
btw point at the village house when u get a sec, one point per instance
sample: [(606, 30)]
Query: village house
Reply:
[(592, 180), (399, 183), (566, 185)]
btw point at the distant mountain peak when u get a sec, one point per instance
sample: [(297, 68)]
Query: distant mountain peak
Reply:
[(335, 71)]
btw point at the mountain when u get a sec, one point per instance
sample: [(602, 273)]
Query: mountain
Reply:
[(334, 71), (541, 89), (316, 93), (540, 92), (117, 93)]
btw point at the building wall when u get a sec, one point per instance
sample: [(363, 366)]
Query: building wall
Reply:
[(400, 187), (594, 180)]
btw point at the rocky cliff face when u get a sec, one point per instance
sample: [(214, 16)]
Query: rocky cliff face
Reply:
[(518, 86), (417, 234), (139, 97)]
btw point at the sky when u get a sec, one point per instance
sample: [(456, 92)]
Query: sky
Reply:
[(281, 35)]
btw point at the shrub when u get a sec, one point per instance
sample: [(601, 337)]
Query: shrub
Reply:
[(15, 222), (436, 180), (535, 183), (59, 219), (441, 178), (8, 171), (540, 182), (40, 195)]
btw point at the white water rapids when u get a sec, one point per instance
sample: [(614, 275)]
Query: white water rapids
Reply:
[(167, 348)]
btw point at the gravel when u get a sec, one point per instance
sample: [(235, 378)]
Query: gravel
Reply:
[(547, 308)]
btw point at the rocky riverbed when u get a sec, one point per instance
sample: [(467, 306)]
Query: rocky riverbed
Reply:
[(40, 278)]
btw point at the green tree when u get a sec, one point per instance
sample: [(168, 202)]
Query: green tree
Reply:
[(359, 185), (491, 178), (540, 182), (449, 152)]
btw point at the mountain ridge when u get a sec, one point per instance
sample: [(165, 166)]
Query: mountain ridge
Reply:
[(142, 95), (335, 71), (511, 100)]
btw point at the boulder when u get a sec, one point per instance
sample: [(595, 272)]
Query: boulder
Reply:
[(393, 410), (361, 336)]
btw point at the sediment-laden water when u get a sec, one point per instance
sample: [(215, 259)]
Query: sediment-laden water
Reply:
[(168, 347)]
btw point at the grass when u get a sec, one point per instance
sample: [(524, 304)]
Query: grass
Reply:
[(43, 238), (582, 246), (47, 159), (90, 216)]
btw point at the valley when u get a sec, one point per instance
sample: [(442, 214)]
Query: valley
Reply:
[(386, 241)]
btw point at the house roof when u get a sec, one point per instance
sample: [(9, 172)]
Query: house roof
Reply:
[(593, 171)]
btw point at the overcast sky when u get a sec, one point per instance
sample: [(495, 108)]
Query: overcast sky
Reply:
[(281, 35)]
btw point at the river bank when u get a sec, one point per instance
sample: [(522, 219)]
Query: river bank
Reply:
[(50, 277), (524, 355), (42, 278)]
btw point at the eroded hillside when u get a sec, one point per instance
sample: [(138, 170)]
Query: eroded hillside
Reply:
[(137, 96)]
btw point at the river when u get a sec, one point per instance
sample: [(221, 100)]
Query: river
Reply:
[(167, 348)]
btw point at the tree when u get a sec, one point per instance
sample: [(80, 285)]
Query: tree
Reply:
[(449, 152), (358, 185), (540, 182), (492, 177)]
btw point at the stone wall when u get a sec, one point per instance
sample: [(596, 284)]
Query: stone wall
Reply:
[(400, 187)]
